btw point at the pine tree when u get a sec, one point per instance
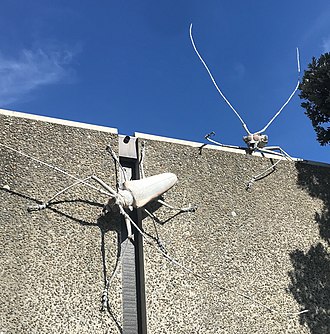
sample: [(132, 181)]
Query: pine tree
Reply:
[(315, 90)]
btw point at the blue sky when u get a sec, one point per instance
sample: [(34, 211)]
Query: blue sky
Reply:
[(131, 65)]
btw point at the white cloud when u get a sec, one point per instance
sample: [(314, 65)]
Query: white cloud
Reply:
[(326, 45), (30, 70)]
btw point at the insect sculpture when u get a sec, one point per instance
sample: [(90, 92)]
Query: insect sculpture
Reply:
[(129, 195), (136, 194), (255, 141)]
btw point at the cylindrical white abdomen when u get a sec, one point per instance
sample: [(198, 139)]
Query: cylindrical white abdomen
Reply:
[(147, 189)]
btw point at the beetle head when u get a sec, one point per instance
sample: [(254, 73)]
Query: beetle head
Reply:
[(255, 141)]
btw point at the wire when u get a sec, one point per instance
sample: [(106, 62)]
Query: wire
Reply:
[(214, 82)]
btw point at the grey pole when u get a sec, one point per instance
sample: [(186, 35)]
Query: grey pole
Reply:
[(134, 307)]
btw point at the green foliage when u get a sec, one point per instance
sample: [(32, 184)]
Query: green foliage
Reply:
[(315, 90)]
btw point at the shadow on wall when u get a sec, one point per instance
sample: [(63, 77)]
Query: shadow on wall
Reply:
[(310, 279), (316, 180), (112, 221)]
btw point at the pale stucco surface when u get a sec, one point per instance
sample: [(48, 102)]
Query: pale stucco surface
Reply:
[(51, 261), (270, 243), (264, 243)]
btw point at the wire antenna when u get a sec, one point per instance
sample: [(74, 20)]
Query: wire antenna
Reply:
[(214, 82), (288, 100)]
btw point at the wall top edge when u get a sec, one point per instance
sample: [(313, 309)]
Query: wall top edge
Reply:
[(141, 135), (231, 149), (239, 150), (58, 121)]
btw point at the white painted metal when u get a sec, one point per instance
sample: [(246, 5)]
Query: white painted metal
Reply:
[(145, 190)]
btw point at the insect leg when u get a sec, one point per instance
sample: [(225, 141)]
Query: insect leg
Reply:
[(129, 222), (143, 150), (211, 134), (186, 209), (116, 160), (271, 150), (263, 173), (60, 170), (130, 234), (82, 181), (208, 279), (107, 283), (158, 240), (104, 185)]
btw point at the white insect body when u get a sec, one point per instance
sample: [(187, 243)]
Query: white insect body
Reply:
[(256, 141), (131, 194), (144, 191), (138, 193)]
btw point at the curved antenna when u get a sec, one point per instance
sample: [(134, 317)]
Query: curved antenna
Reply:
[(288, 100), (214, 83)]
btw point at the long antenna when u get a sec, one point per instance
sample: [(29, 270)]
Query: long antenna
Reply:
[(214, 82), (288, 100)]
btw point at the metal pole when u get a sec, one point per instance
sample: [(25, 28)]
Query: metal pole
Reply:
[(134, 307)]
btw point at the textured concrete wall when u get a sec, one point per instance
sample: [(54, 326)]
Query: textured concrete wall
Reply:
[(270, 243), (51, 261), (239, 252)]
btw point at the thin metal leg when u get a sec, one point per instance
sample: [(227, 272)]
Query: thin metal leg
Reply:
[(271, 149), (187, 209), (83, 181)]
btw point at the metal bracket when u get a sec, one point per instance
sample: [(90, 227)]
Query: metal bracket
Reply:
[(127, 147)]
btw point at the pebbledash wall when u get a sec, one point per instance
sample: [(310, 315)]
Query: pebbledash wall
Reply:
[(249, 260)]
